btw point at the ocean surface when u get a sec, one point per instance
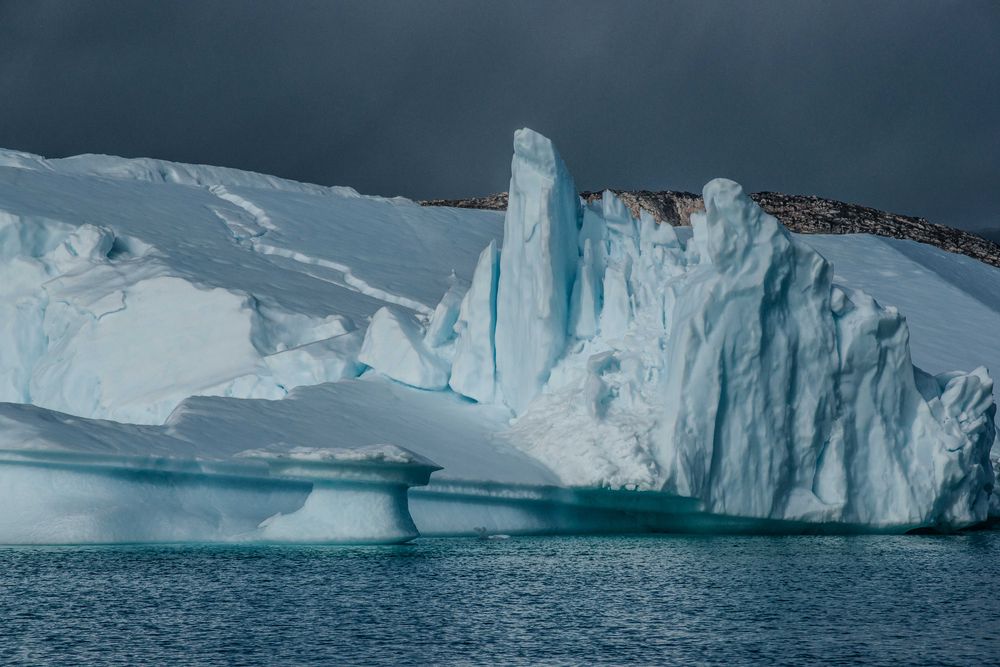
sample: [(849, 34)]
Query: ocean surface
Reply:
[(916, 600)]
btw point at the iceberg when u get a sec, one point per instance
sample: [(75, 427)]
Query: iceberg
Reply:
[(736, 372), (197, 353), (787, 396)]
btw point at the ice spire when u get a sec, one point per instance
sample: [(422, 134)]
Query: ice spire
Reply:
[(537, 268)]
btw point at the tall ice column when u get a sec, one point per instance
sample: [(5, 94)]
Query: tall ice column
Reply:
[(537, 268)]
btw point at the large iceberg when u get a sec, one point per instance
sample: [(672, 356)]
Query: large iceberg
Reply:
[(197, 353), (733, 370)]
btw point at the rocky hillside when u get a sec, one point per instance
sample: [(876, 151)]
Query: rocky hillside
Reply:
[(802, 214)]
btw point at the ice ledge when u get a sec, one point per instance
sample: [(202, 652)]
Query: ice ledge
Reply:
[(377, 464), (303, 495)]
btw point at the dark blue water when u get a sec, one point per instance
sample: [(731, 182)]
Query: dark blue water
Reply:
[(539, 601)]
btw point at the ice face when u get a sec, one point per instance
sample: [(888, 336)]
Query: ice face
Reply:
[(394, 345), (473, 371), (537, 268), (787, 397), (761, 304), (286, 496), (588, 294), (732, 371)]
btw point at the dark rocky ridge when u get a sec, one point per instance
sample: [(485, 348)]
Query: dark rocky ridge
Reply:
[(800, 213)]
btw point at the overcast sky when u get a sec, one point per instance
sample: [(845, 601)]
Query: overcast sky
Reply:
[(890, 104)]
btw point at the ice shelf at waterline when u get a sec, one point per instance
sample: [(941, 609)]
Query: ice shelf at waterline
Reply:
[(714, 378), (298, 494)]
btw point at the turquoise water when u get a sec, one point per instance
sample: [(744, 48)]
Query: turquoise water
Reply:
[(525, 601)]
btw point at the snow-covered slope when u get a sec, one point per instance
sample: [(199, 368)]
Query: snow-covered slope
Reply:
[(951, 302), (127, 286)]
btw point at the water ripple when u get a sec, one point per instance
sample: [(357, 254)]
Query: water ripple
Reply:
[(540, 601)]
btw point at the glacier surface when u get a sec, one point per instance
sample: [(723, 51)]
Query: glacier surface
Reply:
[(200, 353)]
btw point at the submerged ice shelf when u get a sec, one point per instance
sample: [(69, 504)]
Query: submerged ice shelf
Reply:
[(181, 349)]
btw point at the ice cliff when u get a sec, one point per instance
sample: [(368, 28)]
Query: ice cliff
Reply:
[(198, 353), (730, 368)]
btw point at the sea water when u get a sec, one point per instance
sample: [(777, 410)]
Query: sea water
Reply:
[(520, 601)]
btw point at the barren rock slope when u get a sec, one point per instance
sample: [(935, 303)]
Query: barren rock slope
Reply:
[(800, 213)]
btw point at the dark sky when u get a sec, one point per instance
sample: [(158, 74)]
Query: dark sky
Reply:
[(890, 104)]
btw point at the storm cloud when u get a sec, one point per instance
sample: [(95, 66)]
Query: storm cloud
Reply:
[(888, 104)]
